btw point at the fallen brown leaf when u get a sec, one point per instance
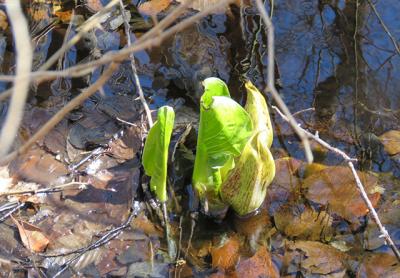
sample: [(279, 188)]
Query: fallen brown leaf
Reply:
[(335, 186), (379, 265), (226, 255), (154, 7), (3, 20), (31, 236), (391, 141), (313, 258), (260, 265), (303, 222)]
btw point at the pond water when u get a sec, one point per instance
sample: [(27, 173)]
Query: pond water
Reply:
[(337, 57)]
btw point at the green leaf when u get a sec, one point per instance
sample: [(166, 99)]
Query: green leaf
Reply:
[(155, 153), (224, 129), (246, 185)]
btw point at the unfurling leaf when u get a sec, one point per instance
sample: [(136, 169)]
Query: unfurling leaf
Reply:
[(224, 129), (155, 153), (246, 185)]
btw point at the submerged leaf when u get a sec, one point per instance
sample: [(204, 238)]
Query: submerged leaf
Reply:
[(335, 186), (224, 130), (302, 222), (155, 153), (260, 265), (314, 259), (226, 255), (391, 141), (246, 185)]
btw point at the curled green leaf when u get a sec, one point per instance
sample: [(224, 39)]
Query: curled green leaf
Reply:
[(246, 185), (224, 129), (155, 153)]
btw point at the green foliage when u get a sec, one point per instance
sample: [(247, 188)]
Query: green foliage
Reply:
[(155, 153), (224, 129), (233, 164), (246, 185)]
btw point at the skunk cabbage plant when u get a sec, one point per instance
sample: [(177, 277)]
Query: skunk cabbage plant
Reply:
[(245, 187), (155, 153), (224, 129)]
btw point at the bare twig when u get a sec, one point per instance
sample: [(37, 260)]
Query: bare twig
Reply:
[(86, 27), (271, 82), (392, 38), (373, 213), (43, 75), (152, 38), (317, 139), (21, 86), (110, 235), (133, 66), (360, 187), (53, 189), (5, 216), (61, 114)]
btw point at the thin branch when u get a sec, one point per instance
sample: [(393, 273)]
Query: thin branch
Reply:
[(151, 39), (271, 82), (110, 235), (133, 66), (80, 70), (53, 189), (392, 38), (21, 86), (92, 22), (61, 114), (5, 216), (316, 138), (373, 213), (360, 187)]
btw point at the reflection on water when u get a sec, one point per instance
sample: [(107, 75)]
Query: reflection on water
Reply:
[(337, 58), (333, 56)]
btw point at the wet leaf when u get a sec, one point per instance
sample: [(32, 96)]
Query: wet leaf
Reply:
[(64, 16), (142, 223), (32, 165), (146, 269), (93, 5), (32, 237), (202, 4), (286, 185), (260, 265), (3, 20), (379, 265), (226, 255), (154, 7), (314, 258), (389, 214), (303, 222), (313, 168), (391, 141), (335, 186)]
